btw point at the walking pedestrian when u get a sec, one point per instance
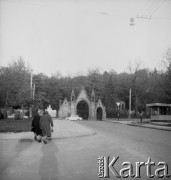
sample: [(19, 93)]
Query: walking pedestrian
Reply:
[(46, 124), (36, 127), (141, 116)]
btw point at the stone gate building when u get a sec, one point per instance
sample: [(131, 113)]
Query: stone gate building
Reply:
[(82, 105)]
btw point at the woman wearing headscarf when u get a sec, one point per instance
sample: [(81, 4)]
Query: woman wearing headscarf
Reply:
[(46, 124), (36, 127)]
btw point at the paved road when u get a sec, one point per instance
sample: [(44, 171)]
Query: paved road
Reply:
[(76, 158)]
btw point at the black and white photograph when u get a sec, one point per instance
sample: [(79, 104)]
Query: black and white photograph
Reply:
[(85, 89)]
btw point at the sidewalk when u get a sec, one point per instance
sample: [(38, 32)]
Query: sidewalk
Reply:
[(22, 158), (62, 129), (145, 124)]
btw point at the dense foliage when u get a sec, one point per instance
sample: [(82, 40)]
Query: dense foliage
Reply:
[(147, 86)]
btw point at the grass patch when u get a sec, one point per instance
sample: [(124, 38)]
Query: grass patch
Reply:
[(12, 125)]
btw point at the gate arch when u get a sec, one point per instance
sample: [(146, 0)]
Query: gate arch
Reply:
[(83, 109), (99, 113)]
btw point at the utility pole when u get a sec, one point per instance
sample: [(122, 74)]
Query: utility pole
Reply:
[(6, 104), (31, 84), (31, 92), (118, 104), (34, 91), (130, 103)]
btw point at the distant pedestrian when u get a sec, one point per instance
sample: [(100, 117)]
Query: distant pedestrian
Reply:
[(36, 127), (141, 116), (46, 124)]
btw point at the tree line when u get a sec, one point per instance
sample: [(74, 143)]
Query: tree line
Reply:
[(148, 86)]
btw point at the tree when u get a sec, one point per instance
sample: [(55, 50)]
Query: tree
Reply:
[(110, 97), (167, 77), (139, 84), (53, 92), (41, 100), (14, 84), (95, 82)]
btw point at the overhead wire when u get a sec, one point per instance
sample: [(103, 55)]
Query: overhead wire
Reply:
[(150, 7), (157, 7), (145, 6), (152, 4)]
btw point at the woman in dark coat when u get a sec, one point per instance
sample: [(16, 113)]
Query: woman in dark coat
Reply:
[(46, 124), (36, 127)]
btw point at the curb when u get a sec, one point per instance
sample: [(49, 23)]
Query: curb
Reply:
[(152, 127), (51, 139), (72, 130), (129, 124)]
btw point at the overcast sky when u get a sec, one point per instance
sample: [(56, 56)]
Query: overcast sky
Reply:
[(72, 36)]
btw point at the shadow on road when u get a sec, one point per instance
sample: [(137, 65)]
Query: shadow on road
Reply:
[(23, 144), (48, 165), (11, 154)]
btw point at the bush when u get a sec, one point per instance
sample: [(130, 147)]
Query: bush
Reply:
[(114, 114), (17, 115)]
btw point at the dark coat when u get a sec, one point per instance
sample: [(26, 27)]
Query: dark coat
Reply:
[(45, 124), (36, 125)]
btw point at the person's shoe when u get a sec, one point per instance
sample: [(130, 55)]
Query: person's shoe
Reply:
[(45, 142), (35, 138)]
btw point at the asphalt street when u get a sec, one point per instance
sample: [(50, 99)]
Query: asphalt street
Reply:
[(76, 158)]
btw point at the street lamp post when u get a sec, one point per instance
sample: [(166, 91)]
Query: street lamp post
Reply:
[(118, 104)]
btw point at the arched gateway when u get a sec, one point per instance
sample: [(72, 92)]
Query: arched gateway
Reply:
[(82, 109), (99, 113), (85, 107)]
